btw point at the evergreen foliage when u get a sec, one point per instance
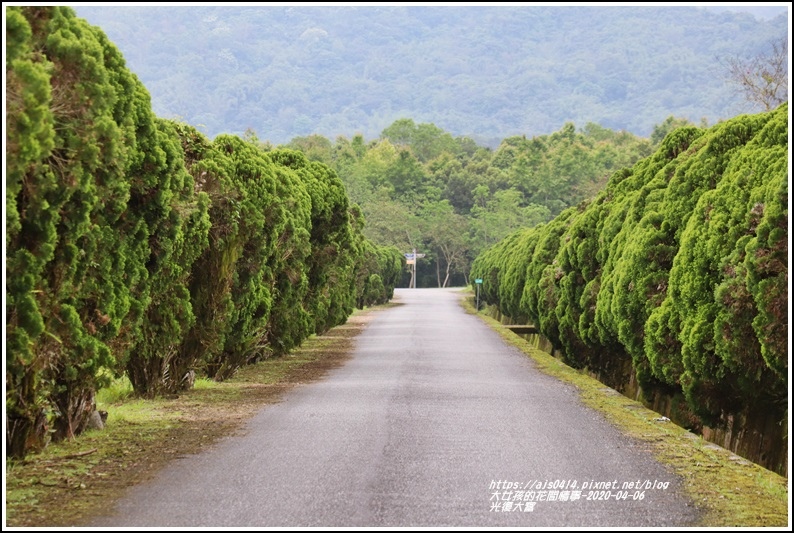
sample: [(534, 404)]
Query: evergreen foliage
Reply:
[(135, 245), (179, 223), (679, 263)]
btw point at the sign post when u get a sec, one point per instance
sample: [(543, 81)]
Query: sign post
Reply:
[(410, 259), (413, 276), (478, 282)]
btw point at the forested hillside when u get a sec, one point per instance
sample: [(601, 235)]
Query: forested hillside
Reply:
[(679, 267), (136, 246), (486, 72)]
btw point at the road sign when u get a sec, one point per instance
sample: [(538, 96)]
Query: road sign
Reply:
[(478, 280), (410, 259)]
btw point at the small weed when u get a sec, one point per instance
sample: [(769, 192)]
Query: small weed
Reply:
[(119, 390), (204, 383)]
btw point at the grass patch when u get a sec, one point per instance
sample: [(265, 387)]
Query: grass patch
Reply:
[(204, 383), (119, 390), (729, 490)]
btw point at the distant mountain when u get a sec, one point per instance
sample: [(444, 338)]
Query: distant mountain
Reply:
[(761, 12), (485, 72)]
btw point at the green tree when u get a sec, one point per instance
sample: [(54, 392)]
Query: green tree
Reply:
[(495, 216), (330, 297), (315, 147), (426, 141), (178, 223), (31, 231), (671, 123), (260, 240), (104, 224), (407, 178), (446, 231)]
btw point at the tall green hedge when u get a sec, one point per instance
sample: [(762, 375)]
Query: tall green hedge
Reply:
[(137, 246), (680, 264), (177, 220), (31, 233), (102, 221)]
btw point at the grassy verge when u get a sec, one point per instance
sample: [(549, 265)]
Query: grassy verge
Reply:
[(70, 482), (729, 490)]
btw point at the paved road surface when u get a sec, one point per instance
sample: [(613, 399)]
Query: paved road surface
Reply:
[(425, 426)]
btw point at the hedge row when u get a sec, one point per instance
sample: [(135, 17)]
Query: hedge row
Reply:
[(136, 246), (680, 265)]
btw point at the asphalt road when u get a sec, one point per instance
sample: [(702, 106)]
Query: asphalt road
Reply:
[(434, 422)]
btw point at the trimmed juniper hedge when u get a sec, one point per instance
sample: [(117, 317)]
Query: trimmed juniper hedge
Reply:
[(137, 246), (680, 263)]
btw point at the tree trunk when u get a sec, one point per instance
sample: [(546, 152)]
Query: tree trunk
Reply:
[(75, 405), (446, 279), (154, 376), (25, 434)]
